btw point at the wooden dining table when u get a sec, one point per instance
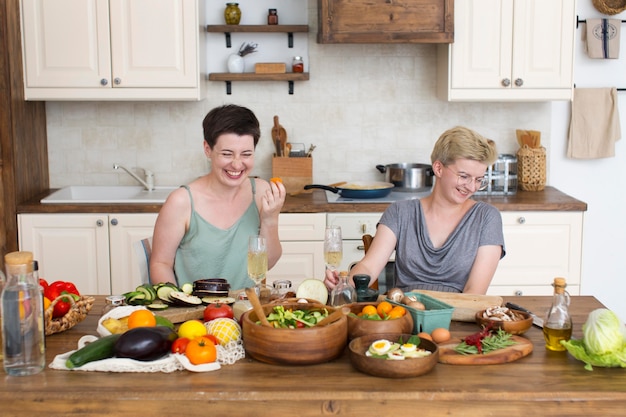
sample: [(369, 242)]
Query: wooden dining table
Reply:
[(544, 383)]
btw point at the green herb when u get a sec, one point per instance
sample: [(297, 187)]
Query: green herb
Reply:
[(494, 341)]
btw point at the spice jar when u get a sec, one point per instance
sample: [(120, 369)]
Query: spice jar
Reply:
[(232, 13), (272, 17), (113, 301), (297, 65), (281, 290)]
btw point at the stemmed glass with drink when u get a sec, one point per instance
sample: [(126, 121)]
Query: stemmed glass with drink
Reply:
[(257, 260), (333, 247)]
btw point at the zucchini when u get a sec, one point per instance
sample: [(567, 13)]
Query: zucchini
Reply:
[(157, 306), (148, 290), (102, 348), (164, 293)]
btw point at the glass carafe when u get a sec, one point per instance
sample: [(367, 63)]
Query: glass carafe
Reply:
[(558, 323), (343, 293)]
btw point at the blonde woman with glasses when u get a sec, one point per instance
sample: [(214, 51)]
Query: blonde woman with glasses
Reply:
[(446, 241)]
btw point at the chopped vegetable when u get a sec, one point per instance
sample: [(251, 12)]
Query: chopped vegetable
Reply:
[(291, 319), (484, 342)]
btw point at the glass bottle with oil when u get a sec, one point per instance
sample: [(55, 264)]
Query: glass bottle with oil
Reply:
[(558, 323)]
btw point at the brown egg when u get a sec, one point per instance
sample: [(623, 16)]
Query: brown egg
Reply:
[(440, 335), (424, 335)]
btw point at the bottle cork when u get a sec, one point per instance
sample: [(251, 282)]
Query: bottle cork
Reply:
[(19, 262), (559, 285)]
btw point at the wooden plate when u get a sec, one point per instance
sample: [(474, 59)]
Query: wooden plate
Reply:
[(509, 354)]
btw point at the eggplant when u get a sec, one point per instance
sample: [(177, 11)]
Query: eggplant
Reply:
[(145, 343)]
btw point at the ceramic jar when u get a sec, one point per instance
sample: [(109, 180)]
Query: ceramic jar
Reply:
[(232, 13), (235, 63)]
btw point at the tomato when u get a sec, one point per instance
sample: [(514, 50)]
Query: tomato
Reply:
[(201, 350), (212, 338), (218, 311), (180, 345), (57, 289)]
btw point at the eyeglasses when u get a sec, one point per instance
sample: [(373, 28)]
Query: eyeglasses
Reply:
[(465, 180)]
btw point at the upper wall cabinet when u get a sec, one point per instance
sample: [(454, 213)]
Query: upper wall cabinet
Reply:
[(509, 50), (384, 21), (113, 49)]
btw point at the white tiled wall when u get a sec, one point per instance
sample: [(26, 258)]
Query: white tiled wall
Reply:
[(364, 105)]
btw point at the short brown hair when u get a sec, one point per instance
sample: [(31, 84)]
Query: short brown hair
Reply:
[(463, 143), (230, 118)]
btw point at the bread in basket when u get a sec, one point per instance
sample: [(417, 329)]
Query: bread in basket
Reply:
[(77, 313)]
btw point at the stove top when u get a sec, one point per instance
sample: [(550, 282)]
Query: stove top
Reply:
[(390, 198)]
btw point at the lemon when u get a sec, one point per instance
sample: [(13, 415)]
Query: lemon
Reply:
[(224, 329), (192, 329)]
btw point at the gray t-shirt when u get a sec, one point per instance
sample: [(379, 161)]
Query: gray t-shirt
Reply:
[(419, 265)]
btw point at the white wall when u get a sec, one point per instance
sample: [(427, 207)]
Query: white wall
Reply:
[(597, 182)]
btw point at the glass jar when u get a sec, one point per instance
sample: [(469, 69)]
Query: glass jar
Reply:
[(113, 301), (343, 293), (272, 17), (232, 14), (558, 323), (281, 290), (241, 306), (22, 317), (297, 65)]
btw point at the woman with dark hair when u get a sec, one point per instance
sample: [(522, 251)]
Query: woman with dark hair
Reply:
[(202, 229)]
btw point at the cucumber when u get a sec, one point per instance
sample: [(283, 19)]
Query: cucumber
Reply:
[(187, 288), (157, 306), (148, 290), (102, 348), (164, 292)]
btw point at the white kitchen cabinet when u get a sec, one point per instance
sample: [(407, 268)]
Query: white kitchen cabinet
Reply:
[(302, 239), (113, 49), (509, 50), (539, 247), (95, 251)]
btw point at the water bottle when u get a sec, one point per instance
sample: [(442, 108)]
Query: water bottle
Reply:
[(22, 317)]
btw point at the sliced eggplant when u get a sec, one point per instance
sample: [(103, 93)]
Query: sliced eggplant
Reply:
[(185, 300), (218, 300)]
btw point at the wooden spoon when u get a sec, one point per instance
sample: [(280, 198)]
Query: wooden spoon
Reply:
[(335, 315), (256, 305)]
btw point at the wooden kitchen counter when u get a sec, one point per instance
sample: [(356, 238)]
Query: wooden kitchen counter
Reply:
[(541, 384), (550, 199)]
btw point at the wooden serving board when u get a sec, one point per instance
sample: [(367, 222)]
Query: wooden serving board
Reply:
[(181, 314), (522, 348), (465, 305)]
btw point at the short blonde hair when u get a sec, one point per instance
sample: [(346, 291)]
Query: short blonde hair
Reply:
[(463, 143)]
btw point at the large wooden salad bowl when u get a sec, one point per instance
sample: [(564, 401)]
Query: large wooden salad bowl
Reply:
[(304, 346)]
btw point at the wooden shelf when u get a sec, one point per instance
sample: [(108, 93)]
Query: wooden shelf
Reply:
[(228, 29), (228, 77)]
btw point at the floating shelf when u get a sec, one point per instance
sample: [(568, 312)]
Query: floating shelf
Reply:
[(228, 29), (228, 77)]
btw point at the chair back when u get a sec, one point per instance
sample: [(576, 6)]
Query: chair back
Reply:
[(367, 242)]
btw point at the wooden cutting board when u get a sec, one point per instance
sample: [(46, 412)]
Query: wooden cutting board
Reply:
[(465, 305), (509, 354), (181, 314)]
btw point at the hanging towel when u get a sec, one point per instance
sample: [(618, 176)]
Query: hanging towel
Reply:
[(601, 38), (595, 125)]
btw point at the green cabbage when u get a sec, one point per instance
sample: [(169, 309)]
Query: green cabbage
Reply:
[(603, 343)]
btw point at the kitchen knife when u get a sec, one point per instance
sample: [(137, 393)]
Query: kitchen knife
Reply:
[(537, 321)]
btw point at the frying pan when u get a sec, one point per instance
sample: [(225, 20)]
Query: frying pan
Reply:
[(357, 189)]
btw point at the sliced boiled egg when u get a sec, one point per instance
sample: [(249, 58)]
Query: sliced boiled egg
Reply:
[(395, 355), (408, 347), (380, 347)]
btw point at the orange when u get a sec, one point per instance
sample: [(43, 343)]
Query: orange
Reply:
[(369, 310), (141, 318), (384, 308), (276, 179), (396, 312)]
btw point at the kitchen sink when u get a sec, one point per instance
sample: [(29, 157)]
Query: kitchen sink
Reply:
[(90, 194)]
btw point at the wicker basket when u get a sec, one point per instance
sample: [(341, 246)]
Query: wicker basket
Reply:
[(77, 313), (531, 168), (610, 7)]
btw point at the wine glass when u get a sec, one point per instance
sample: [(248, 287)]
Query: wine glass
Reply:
[(333, 249), (257, 261)]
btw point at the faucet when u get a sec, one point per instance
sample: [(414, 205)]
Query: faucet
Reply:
[(148, 183)]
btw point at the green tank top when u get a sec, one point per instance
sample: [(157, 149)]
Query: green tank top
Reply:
[(207, 251)]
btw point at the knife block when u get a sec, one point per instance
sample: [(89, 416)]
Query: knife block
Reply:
[(295, 172)]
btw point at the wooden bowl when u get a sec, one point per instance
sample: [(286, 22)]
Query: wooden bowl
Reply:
[(406, 368), (514, 327), (360, 327), (307, 346)]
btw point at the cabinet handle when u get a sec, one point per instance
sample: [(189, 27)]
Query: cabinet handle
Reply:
[(519, 292), (104, 81), (114, 221), (506, 82), (521, 220), (99, 223), (117, 81), (519, 82), (360, 247)]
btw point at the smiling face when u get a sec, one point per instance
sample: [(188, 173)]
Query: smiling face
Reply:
[(459, 180), (232, 158)]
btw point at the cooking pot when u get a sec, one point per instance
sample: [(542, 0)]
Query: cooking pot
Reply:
[(408, 177), (357, 189)]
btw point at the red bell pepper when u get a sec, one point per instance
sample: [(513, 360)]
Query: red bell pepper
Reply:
[(57, 289)]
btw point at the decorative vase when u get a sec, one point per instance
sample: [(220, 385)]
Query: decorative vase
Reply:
[(232, 13), (235, 63)]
